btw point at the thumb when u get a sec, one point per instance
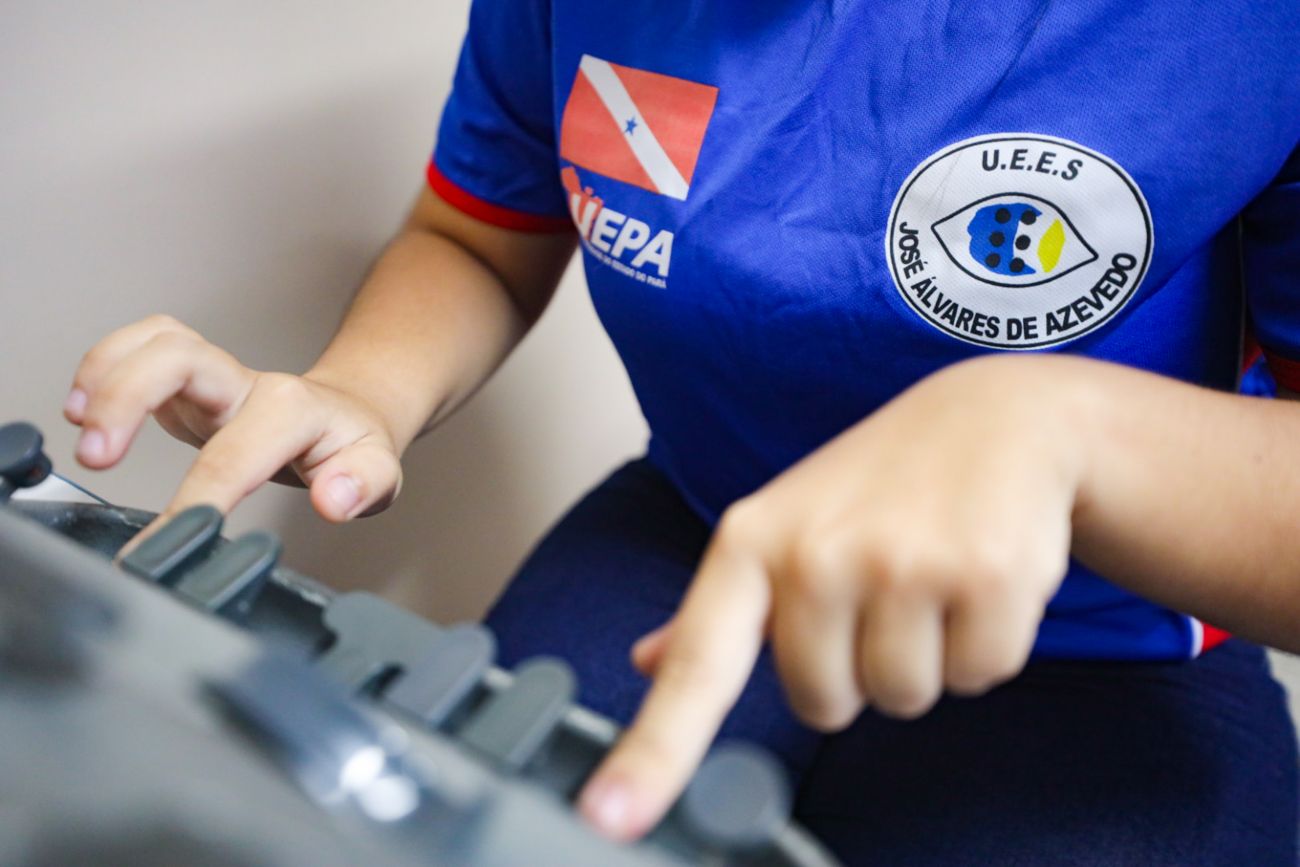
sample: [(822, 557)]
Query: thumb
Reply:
[(649, 649), (360, 479)]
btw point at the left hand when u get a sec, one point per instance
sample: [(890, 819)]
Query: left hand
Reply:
[(914, 553)]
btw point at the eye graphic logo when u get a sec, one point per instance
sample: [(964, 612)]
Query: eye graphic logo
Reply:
[(1018, 241), (1013, 240)]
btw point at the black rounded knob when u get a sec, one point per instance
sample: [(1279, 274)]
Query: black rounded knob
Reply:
[(738, 800), (22, 462)]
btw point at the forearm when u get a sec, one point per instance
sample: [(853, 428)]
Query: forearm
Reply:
[(445, 304), (427, 328), (1189, 496)]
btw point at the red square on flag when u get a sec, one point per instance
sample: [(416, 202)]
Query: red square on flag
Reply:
[(638, 127)]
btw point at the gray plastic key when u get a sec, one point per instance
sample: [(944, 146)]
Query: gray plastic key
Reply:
[(163, 556), (516, 722), (229, 581), (23, 462), (434, 687), (372, 637), (738, 799)]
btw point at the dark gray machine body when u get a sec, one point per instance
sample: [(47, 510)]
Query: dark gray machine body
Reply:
[(216, 709)]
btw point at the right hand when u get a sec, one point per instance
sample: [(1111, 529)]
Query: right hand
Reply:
[(249, 426)]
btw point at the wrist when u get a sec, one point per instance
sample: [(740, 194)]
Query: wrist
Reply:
[(401, 417), (1055, 406), (1073, 402)]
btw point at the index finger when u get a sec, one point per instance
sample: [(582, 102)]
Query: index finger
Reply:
[(270, 431), (716, 639)]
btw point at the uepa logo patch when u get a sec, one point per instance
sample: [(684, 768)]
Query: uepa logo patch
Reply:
[(1018, 241)]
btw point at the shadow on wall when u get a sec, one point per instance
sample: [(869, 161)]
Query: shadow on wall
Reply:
[(257, 234)]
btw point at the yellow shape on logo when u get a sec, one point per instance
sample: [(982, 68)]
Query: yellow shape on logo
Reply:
[(1050, 245)]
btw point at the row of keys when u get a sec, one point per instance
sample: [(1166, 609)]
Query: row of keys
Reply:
[(738, 801)]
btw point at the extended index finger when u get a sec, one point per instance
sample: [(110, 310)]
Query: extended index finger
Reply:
[(716, 639), (273, 428)]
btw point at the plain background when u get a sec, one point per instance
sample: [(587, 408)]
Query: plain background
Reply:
[(239, 165)]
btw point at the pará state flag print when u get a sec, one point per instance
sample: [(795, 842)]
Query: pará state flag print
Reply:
[(639, 127)]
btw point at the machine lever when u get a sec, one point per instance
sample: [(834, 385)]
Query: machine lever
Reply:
[(434, 687), (516, 722), (228, 582), (23, 463), (739, 799), (164, 556), (372, 638)]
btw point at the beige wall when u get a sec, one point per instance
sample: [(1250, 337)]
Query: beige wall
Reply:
[(238, 165)]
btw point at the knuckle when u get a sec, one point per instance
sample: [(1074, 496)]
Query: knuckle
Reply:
[(169, 342), (741, 525), (891, 565), (977, 673), (907, 702), (282, 389), (164, 322), (825, 714), (815, 567), (966, 679), (95, 358), (988, 565), (1011, 655)]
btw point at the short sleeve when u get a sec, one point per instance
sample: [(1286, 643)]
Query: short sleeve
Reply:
[(1271, 267), (495, 158)]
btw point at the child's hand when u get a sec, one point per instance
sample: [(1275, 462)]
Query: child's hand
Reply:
[(250, 426), (912, 554)]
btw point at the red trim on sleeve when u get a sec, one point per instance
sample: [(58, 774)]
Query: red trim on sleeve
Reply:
[(1286, 371), (506, 218), (1212, 636), (1250, 352)]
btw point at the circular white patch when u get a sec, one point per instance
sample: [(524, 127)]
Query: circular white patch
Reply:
[(1018, 241)]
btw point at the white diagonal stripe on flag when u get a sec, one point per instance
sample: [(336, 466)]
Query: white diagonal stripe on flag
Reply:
[(645, 147)]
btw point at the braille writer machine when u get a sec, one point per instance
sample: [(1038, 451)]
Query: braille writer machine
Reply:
[(198, 704)]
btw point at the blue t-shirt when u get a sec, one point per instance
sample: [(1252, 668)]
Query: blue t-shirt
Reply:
[(790, 212)]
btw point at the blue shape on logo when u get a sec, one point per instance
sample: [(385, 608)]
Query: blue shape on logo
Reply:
[(993, 232)]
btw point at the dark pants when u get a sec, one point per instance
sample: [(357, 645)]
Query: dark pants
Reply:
[(1178, 763)]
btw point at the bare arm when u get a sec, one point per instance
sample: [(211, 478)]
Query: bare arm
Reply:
[(1191, 498), (446, 302), (444, 305)]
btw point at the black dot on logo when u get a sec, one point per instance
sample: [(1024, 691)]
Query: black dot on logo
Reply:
[(997, 238), (1028, 218), (992, 260), (1017, 265), (1022, 242), (1001, 215)]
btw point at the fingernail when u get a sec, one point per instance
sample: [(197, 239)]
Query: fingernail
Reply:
[(606, 805), (344, 493), (75, 405), (93, 446)]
